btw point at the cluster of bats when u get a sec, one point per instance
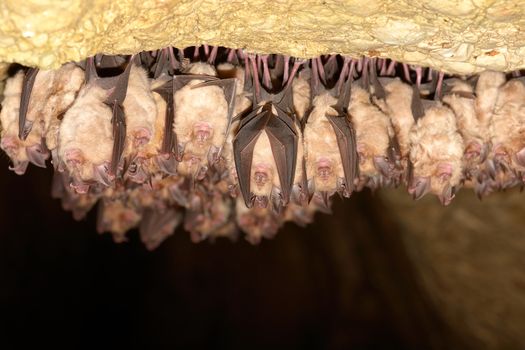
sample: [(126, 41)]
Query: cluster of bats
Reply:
[(220, 140)]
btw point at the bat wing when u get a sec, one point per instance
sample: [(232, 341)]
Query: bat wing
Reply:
[(243, 145), (283, 141), (417, 106), (346, 141), (376, 88), (24, 128), (119, 137)]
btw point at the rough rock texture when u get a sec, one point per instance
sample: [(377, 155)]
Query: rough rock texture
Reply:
[(461, 36), (471, 259)]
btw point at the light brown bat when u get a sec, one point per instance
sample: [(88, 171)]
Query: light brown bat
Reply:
[(436, 154), (157, 226), (508, 127), (202, 117), (67, 82), (323, 158), (373, 134), (21, 152), (301, 92), (116, 217), (256, 222), (461, 100), (397, 106)]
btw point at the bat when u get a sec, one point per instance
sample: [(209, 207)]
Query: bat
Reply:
[(156, 226), (256, 222), (92, 132), (20, 151), (436, 154), (265, 147), (116, 217), (508, 126), (373, 139), (459, 96), (203, 113)]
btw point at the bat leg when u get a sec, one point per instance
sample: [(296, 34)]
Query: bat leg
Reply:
[(24, 127), (267, 81), (438, 85), (213, 55), (37, 155), (406, 73), (391, 70), (232, 57)]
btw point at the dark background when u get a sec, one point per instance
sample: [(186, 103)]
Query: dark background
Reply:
[(344, 282)]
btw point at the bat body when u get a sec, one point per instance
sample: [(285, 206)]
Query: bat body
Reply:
[(256, 222), (116, 217), (436, 154), (156, 226), (202, 118), (373, 135), (21, 152), (265, 150), (86, 138), (508, 127), (301, 93), (398, 107), (462, 101), (324, 160)]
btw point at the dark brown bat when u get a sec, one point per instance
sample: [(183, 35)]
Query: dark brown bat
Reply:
[(265, 147)]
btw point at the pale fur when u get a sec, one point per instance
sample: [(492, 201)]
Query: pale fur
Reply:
[(508, 121), (373, 130), (435, 141), (301, 93), (263, 157), (321, 143), (398, 108), (487, 89), (87, 127), (68, 81), (139, 107), (204, 104), (9, 120)]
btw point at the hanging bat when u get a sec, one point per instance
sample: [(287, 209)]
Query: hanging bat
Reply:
[(256, 222), (373, 138), (203, 113), (67, 82), (508, 127), (399, 106), (156, 226), (116, 217), (93, 130), (21, 151), (265, 147), (459, 96), (436, 154)]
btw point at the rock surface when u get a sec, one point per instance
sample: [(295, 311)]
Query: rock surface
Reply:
[(459, 36)]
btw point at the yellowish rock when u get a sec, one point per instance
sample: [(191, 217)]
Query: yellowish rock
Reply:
[(460, 36)]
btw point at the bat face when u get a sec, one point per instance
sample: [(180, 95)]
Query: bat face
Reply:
[(436, 154)]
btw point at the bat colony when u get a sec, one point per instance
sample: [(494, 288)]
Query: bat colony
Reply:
[(223, 140)]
